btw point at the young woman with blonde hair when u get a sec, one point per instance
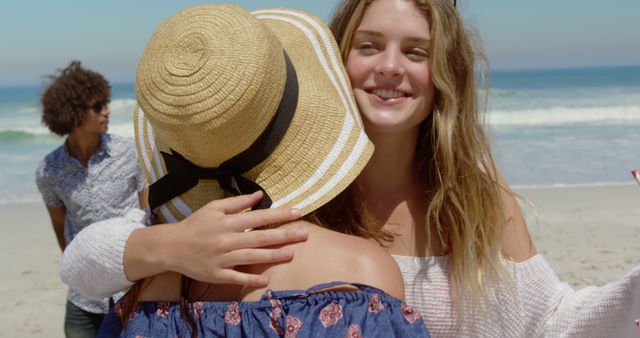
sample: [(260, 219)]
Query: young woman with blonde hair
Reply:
[(460, 240), (459, 237)]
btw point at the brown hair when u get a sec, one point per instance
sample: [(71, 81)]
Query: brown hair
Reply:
[(455, 161), (66, 99)]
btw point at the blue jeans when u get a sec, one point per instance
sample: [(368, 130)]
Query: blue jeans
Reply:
[(79, 323)]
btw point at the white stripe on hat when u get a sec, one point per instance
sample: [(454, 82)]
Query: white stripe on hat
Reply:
[(345, 168), (348, 124), (145, 158), (346, 87), (177, 202)]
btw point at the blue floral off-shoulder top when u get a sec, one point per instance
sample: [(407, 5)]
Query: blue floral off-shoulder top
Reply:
[(369, 312)]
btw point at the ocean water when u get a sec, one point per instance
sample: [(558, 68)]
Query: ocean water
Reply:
[(566, 127), (547, 127)]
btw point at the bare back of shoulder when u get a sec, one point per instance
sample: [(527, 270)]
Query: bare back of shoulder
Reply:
[(329, 256)]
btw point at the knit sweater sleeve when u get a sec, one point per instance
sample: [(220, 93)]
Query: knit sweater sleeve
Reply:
[(93, 262), (553, 309)]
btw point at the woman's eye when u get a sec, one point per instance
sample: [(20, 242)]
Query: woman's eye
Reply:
[(366, 48), (365, 45), (417, 54)]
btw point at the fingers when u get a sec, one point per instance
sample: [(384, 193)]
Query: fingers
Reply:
[(270, 237), (257, 256), (250, 257), (258, 218), (232, 205)]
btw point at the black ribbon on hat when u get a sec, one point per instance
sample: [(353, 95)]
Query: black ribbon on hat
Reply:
[(182, 175)]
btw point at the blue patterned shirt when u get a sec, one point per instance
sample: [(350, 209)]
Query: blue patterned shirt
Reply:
[(310, 313), (106, 188)]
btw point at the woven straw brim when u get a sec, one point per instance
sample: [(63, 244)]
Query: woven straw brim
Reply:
[(325, 147), (211, 70)]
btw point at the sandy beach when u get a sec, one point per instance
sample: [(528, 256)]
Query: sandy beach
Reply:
[(590, 235), (32, 297)]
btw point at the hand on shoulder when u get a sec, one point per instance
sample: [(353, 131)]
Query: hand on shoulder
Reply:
[(208, 245)]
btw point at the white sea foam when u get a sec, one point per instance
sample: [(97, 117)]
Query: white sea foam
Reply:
[(123, 129), (34, 110), (28, 110), (122, 106), (26, 119), (566, 115), (34, 131)]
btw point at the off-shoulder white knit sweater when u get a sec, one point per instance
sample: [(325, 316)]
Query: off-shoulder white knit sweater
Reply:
[(541, 306)]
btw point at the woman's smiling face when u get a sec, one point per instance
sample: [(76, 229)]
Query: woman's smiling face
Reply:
[(388, 65)]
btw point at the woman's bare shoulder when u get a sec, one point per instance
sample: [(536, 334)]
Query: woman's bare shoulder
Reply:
[(517, 244), (353, 259)]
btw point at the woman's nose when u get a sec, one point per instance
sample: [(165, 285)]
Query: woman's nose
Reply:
[(390, 64)]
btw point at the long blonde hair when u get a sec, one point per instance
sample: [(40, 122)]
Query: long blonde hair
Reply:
[(455, 161)]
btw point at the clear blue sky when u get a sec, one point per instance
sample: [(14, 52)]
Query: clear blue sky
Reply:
[(39, 36)]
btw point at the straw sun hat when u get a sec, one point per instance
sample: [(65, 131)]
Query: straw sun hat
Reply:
[(238, 102)]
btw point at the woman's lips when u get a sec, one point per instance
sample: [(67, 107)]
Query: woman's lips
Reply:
[(386, 97)]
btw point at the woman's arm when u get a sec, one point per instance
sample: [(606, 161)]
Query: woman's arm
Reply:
[(517, 245), (106, 256), (92, 262), (553, 309)]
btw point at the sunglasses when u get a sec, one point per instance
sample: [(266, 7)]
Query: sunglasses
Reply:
[(98, 106)]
